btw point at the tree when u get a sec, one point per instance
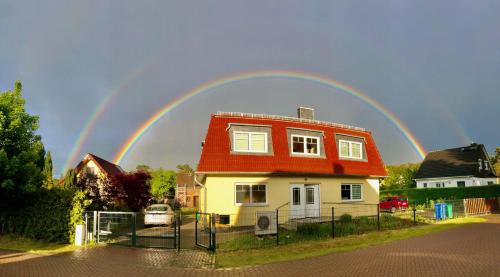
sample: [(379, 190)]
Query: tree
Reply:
[(129, 189), (184, 168), (21, 150), (70, 179), (48, 170), (89, 183), (162, 183), (496, 160), (400, 176), (143, 167)]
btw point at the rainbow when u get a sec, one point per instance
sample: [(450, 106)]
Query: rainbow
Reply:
[(99, 111), (269, 74)]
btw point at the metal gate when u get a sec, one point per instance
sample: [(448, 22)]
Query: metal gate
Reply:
[(205, 231), (128, 228)]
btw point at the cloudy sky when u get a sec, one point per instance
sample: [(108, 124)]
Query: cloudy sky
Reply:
[(434, 64)]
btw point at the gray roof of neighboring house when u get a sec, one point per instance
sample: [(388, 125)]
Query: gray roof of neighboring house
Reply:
[(461, 161)]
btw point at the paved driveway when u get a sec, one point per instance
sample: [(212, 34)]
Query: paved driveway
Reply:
[(472, 250)]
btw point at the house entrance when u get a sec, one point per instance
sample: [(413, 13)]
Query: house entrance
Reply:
[(304, 200)]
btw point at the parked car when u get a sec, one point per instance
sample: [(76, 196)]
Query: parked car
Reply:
[(159, 214), (393, 203)]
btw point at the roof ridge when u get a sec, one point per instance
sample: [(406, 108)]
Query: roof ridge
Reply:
[(289, 118)]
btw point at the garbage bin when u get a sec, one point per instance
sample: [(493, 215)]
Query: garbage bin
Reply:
[(440, 211), (449, 210), (437, 211)]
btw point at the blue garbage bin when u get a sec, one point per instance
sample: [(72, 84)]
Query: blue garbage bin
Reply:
[(440, 211)]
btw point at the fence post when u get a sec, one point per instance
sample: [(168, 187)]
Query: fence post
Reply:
[(277, 228), (196, 228), (333, 222), (179, 233), (94, 226), (378, 217), (134, 231), (86, 236), (212, 233), (98, 227), (414, 214)]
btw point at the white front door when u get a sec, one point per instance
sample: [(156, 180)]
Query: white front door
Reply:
[(312, 200), (304, 201), (297, 203)]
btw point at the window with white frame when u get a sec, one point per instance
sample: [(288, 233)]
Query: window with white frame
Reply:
[(350, 149), (351, 192), (255, 142), (248, 194), (305, 145)]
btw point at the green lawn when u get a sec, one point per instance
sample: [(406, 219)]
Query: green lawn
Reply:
[(12, 242), (322, 247)]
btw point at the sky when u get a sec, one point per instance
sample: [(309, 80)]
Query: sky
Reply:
[(434, 64)]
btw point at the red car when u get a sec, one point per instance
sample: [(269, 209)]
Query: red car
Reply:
[(393, 203)]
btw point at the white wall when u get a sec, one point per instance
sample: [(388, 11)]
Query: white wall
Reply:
[(452, 182)]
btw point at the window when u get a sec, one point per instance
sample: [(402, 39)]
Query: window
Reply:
[(296, 196), (247, 194), (305, 145), (350, 149), (460, 184), (250, 142), (425, 185), (490, 183), (309, 195), (351, 192)]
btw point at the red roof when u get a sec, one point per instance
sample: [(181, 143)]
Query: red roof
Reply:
[(106, 167), (216, 155)]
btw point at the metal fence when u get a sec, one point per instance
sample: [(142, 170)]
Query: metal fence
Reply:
[(129, 229)]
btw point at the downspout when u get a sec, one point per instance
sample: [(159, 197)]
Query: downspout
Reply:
[(204, 192)]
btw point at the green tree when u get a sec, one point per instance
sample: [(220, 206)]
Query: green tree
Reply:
[(400, 176), (143, 167), (21, 150), (162, 182), (496, 160), (48, 171), (184, 168), (70, 179)]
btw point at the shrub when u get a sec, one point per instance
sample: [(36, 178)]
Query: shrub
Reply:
[(424, 194), (346, 218), (50, 215), (346, 229)]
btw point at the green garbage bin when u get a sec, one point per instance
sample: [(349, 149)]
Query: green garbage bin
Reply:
[(449, 210)]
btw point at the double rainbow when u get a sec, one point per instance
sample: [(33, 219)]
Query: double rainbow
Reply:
[(270, 74)]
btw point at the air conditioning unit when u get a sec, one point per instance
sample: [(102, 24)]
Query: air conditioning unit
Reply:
[(265, 223)]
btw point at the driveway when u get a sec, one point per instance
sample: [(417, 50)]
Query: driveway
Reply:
[(472, 250)]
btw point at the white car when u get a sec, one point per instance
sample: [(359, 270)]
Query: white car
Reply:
[(159, 214)]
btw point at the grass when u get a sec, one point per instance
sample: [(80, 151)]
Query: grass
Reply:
[(12, 242), (314, 248)]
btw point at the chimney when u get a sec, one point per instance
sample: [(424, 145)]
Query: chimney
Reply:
[(305, 113)]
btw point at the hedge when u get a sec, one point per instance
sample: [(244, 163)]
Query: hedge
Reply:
[(50, 216), (422, 195)]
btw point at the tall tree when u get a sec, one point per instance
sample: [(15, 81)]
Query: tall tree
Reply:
[(162, 182), (184, 168), (48, 170), (70, 179), (400, 176), (21, 149), (129, 189), (496, 160)]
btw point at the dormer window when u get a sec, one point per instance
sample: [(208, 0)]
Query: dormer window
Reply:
[(252, 142), (305, 145), (350, 149)]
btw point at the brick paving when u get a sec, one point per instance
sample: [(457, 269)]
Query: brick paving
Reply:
[(472, 250)]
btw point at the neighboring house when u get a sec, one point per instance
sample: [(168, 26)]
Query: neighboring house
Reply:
[(466, 166), (97, 166), (186, 192), (253, 163)]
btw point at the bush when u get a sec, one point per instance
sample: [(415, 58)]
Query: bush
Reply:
[(346, 229), (423, 195), (309, 229), (346, 218), (51, 216)]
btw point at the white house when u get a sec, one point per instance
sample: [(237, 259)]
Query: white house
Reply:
[(466, 166)]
